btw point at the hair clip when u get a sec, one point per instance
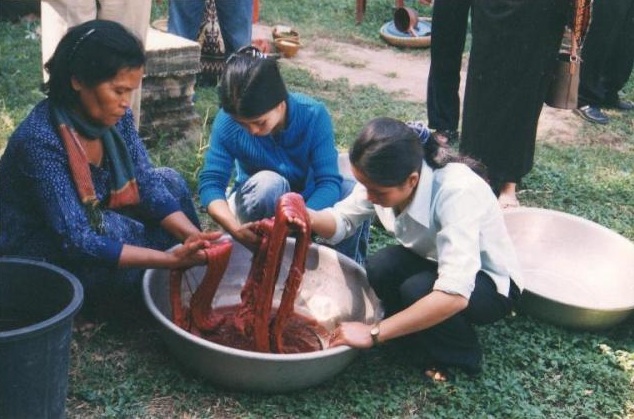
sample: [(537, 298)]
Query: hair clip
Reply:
[(420, 129), (79, 42), (247, 51)]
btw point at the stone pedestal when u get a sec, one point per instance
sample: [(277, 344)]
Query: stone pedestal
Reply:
[(167, 107)]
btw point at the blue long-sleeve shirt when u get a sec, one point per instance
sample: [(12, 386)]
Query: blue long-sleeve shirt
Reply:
[(304, 153), (41, 214)]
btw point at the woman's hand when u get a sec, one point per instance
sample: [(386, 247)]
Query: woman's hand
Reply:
[(353, 334), (191, 253), (207, 236), (242, 233), (299, 222), (246, 235)]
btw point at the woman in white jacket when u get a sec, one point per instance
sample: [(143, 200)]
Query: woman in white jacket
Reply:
[(454, 265)]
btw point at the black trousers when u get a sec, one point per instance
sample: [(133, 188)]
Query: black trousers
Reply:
[(514, 48), (608, 52), (449, 28), (400, 278)]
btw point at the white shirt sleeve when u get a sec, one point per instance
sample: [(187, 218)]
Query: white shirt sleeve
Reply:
[(350, 213)]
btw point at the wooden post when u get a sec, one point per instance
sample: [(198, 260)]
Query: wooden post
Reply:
[(256, 11)]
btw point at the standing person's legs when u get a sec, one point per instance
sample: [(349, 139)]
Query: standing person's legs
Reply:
[(234, 18), (57, 16), (597, 48), (135, 16), (507, 195), (450, 18), (618, 67), (185, 17), (513, 52)]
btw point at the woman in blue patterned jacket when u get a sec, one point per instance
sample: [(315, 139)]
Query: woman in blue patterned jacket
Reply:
[(76, 185)]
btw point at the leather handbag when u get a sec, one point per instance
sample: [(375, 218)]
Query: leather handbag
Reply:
[(564, 88)]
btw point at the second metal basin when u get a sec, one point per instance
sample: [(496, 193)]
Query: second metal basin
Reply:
[(577, 273)]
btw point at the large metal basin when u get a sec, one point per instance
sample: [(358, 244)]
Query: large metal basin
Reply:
[(577, 273), (334, 289)]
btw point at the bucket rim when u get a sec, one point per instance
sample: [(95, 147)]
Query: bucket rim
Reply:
[(66, 313)]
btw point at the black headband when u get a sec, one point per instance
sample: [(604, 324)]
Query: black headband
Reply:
[(79, 42)]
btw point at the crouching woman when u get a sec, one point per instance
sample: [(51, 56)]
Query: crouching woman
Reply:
[(454, 265), (76, 184)]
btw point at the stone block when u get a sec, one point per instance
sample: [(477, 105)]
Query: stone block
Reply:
[(168, 115), (168, 87), (169, 55)]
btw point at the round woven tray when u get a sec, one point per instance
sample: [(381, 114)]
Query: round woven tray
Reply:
[(399, 39)]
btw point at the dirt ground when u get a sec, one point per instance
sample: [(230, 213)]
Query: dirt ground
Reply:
[(400, 73)]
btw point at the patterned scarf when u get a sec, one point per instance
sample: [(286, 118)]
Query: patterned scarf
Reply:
[(124, 190)]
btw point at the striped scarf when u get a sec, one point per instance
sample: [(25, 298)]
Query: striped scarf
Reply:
[(124, 190)]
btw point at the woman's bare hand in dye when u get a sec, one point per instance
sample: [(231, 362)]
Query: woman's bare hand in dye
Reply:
[(191, 253), (354, 334), (247, 235)]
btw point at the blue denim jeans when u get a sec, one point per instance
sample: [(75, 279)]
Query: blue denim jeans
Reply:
[(234, 19), (257, 197)]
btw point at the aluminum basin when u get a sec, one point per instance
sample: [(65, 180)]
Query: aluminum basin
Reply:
[(334, 289), (577, 273)]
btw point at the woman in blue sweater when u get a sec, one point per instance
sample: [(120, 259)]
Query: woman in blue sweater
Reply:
[(278, 142)]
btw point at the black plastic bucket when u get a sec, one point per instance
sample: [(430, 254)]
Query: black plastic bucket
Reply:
[(37, 304)]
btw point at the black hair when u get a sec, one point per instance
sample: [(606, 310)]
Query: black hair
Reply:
[(251, 84), (387, 151), (92, 52)]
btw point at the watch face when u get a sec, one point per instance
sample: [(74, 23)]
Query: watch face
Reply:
[(374, 334)]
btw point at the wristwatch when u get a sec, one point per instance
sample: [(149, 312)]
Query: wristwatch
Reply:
[(374, 334)]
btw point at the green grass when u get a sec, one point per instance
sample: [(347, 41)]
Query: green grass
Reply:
[(532, 370), (20, 75)]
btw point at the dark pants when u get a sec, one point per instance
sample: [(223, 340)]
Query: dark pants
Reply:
[(400, 278), (514, 48), (608, 52), (450, 20)]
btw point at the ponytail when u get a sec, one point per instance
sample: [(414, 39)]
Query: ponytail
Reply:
[(388, 151)]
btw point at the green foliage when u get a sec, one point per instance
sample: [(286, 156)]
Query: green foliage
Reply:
[(20, 75)]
